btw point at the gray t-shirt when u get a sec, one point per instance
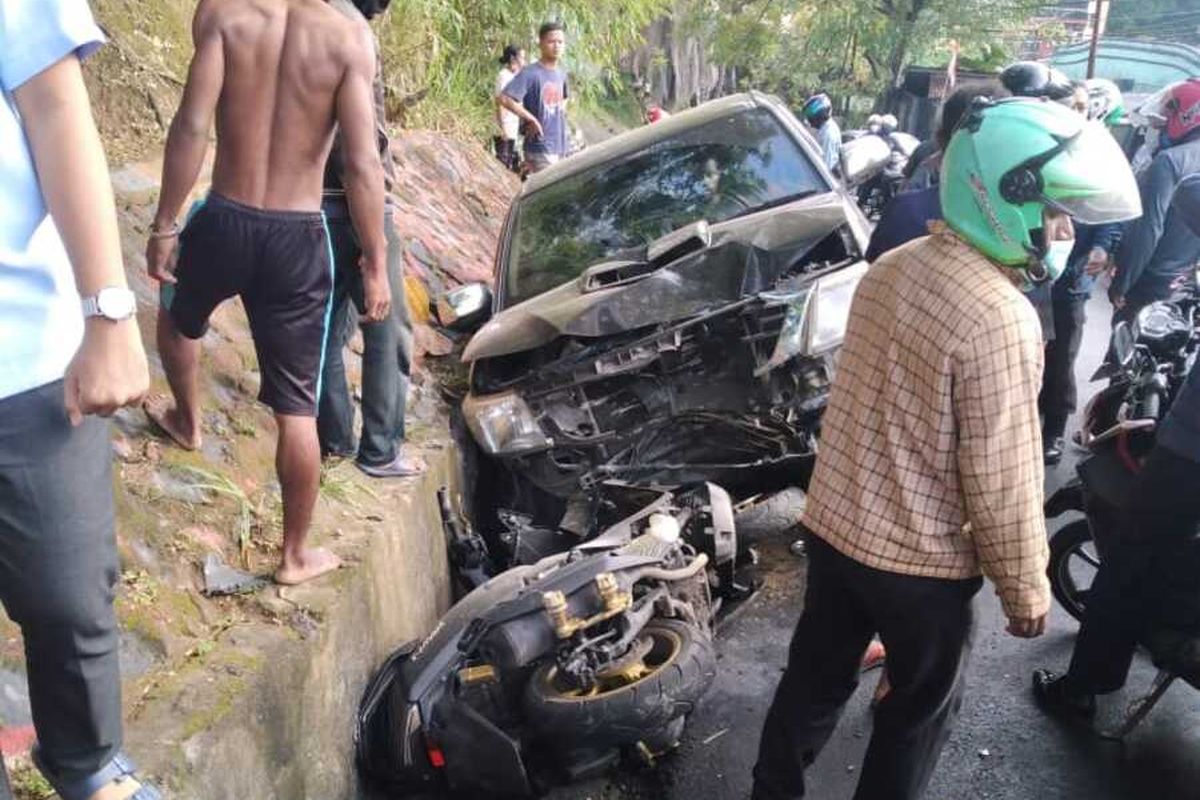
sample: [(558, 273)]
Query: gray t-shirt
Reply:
[(544, 94)]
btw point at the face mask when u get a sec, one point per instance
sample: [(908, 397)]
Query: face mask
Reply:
[(1056, 257), (371, 8)]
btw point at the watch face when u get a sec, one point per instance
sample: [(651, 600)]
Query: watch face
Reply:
[(114, 303)]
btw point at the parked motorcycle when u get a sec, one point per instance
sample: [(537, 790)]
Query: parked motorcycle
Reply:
[(1150, 361), (888, 153), (557, 669)]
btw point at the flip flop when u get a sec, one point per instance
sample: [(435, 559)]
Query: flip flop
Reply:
[(121, 768)]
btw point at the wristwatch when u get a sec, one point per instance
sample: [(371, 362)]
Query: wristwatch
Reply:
[(112, 302)]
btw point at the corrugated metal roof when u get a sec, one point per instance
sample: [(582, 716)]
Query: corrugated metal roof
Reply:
[(1141, 65)]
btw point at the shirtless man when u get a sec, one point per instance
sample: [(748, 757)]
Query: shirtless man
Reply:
[(278, 75)]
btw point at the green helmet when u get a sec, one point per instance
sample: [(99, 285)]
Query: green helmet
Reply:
[(1012, 158)]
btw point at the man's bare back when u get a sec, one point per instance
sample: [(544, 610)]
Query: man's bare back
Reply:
[(277, 76), (283, 64)]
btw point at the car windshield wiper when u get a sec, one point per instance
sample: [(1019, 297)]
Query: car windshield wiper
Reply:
[(778, 201)]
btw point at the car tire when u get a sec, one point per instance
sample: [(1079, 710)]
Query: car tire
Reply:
[(777, 515), (683, 666)]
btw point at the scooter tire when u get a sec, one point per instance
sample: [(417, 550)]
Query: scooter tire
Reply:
[(631, 713), (1064, 545)]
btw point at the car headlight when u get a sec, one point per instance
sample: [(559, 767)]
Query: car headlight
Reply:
[(503, 424), (793, 335), (816, 316), (830, 308)]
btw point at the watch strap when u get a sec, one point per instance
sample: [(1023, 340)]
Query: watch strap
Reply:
[(91, 306)]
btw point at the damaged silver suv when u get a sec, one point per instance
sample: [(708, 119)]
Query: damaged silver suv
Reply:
[(668, 307)]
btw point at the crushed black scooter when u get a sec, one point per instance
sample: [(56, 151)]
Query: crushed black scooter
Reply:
[(556, 670)]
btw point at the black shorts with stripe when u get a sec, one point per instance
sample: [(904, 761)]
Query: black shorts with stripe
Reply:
[(280, 264)]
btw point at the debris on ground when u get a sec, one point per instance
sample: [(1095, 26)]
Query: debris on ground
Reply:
[(222, 579)]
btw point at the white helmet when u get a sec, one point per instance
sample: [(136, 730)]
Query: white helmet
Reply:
[(889, 123), (1105, 102)]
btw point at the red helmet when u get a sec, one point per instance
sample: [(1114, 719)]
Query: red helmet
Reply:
[(1183, 109), (654, 114)]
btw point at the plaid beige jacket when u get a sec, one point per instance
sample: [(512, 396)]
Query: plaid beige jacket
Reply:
[(931, 459)]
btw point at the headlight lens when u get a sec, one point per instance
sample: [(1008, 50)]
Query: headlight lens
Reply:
[(792, 336), (503, 424), (830, 308)]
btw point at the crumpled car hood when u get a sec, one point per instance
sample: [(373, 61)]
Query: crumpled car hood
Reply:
[(747, 256)]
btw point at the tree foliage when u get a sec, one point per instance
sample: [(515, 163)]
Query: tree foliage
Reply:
[(853, 47)]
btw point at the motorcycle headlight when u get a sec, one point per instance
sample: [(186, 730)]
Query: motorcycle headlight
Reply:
[(816, 316), (503, 424)]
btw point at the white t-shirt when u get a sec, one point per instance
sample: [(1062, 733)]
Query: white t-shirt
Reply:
[(41, 322), (510, 123)]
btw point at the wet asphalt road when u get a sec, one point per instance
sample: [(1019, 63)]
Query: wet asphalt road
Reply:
[(1002, 747)]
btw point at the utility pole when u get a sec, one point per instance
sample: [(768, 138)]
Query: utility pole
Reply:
[(1099, 23)]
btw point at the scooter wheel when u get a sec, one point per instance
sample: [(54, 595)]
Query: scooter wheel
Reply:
[(664, 686)]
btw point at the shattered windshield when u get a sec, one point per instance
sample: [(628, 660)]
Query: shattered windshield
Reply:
[(718, 171)]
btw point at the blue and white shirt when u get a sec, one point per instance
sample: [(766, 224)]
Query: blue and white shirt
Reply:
[(41, 323), (829, 136)]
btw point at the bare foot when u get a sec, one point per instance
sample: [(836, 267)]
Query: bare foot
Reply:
[(165, 416), (312, 563)]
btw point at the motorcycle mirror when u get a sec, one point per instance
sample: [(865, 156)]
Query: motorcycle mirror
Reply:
[(1123, 344)]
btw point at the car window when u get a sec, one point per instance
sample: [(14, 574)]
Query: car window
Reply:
[(725, 168)]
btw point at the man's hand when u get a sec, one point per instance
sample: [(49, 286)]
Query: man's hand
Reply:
[(533, 128), (1097, 261), (1118, 301), (1027, 628), (108, 371), (377, 292), (159, 258)]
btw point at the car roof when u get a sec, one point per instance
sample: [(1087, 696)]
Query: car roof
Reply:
[(642, 137)]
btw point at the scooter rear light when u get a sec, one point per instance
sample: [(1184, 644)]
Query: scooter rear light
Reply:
[(436, 757)]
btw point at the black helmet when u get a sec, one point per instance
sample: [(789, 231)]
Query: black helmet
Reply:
[(1032, 79)]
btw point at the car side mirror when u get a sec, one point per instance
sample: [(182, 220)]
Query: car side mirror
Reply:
[(465, 308), (863, 157), (1123, 344)]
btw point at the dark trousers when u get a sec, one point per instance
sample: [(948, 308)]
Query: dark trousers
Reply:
[(926, 625), (506, 152), (1147, 578), (1059, 395), (58, 569), (387, 352)]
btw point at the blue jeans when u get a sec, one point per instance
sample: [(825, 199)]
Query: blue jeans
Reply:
[(387, 352)]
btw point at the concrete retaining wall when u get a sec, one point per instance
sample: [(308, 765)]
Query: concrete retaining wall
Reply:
[(270, 715)]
